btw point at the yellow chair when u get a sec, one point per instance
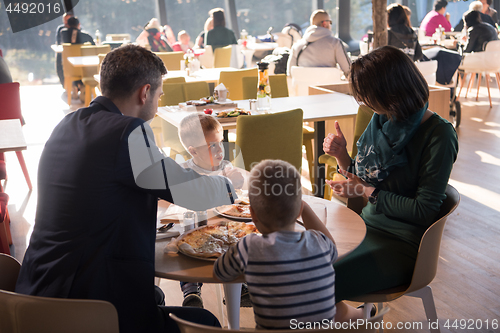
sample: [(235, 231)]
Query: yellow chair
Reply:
[(172, 60), (222, 56), (32, 314), (9, 271), (88, 72), (233, 80), (269, 136), (71, 73), (196, 90), (278, 83), (370, 326), (362, 120), (425, 265)]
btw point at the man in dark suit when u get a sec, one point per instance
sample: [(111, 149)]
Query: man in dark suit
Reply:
[(74, 35), (99, 179)]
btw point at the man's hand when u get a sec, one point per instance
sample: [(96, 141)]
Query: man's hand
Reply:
[(335, 144), (235, 176)]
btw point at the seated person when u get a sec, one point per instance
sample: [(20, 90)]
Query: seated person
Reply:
[(200, 40), (153, 38), (219, 36), (478, 32), (183, 42), (436, 18), (74, 35), (201, 136), (400, 34), (489, 11), (477, 6)]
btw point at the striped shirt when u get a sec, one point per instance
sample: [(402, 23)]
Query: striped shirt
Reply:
[(289, 276)]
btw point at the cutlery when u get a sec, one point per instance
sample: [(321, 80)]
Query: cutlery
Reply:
[(165, 228)]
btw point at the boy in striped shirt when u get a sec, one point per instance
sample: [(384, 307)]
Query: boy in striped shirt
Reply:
[(289, 274)]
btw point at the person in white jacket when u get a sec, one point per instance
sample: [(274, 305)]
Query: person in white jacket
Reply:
[(318, 47)]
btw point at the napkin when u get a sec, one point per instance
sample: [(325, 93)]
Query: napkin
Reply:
[(171, 246), (220, 87)]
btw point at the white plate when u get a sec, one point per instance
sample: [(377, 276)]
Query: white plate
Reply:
[(235, 218)]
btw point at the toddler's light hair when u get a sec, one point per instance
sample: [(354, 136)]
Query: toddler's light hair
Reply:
[(193, 129)]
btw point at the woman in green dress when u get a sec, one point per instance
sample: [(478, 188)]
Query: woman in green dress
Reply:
[(404, 161)]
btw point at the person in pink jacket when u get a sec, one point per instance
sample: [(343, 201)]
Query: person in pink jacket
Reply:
[(436, 17)]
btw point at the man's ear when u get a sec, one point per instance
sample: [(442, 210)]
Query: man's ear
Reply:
[(144, 92)]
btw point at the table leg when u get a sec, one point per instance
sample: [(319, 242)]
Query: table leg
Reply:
[(232, 291), (319, 170)]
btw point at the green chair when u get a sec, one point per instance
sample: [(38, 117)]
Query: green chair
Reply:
[(269, 136), (279, 86), (233, 80), (362, 119), (222, 56), (173, 94), (196, 90)]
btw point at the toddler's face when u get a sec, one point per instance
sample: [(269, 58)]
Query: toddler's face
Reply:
[(213, 153)]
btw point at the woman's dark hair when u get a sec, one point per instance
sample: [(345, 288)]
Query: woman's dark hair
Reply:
[(386, 80), (219, 18), (129, 67), (473, 18), (438, 4), (396, 15)]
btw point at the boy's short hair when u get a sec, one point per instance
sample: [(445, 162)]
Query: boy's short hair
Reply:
[(275, 192), (194, 128)]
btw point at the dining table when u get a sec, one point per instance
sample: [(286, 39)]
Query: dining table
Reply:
[(346, 227), (84, 61), (317, 109)]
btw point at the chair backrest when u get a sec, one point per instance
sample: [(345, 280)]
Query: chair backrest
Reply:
[(269, 136), (29, 314), (303, 77), (11, 101), (172, 60), (173, 94), (118, 37), (207, 58), (428, 252), (222, 56), (278, 83), (196, 90), (493, 46), (71, 50), (233, 80), (428, 70), (9, 271), (190, 327)]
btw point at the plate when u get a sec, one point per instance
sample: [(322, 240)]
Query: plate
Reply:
[(235, 218)]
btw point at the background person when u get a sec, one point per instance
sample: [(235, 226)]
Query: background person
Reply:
[(435, 18), (477, 6), (200, 40), (403, 165), (219, 36), (318, 47), (478, 32), (59, 65), (400, 34), (153, 38), (489, 11), (73, 34), (183, 42)]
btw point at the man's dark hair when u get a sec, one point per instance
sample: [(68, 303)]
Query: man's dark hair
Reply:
[(387, 80), (473, 18), (438, 4), (127, 68), (73, 22), (219, 18)]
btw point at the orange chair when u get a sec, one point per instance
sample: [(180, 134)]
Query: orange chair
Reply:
[(5, 236), (11, 109)]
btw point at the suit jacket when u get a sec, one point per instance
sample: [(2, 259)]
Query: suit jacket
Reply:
[(95, 227)]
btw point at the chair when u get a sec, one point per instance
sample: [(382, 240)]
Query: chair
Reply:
[(172, 60), (425, 265), (88, 72), (71, 73), (269, 136), (33, 314), (494, 46), (428, 70), (9, 271), (190, 327), (118, 37), (303, 77), (233, 80), (222, 56), (362, 120), (196, 90), (207, 58), (5, 235), (11, 109)]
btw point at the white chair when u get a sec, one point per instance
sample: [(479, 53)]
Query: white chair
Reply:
[(428, 70), (494, 46), (303, 77), (207, 58)]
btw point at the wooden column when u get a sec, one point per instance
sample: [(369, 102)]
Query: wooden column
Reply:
[(379, 14)]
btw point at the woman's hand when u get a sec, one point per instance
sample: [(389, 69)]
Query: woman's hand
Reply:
[(351, 187), (335, 144)]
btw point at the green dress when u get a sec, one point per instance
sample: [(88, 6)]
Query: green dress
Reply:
[(220, 37), (408, 203)]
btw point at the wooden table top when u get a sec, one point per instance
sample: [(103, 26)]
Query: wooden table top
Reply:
[(11, 136), (346, 227), (84, 61)]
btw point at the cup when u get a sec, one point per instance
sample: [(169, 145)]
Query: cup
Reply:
[(188, 220), (223, 94), (201, 218)]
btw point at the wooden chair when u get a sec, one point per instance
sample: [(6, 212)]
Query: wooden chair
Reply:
[(233, 80), (172, 60), (269, 136), (11, 109), (9, 271), (425, 266), (222, 56), (303, 77), (88, 72), (32, 314), (5, 235), (71, 73), (367, 327)]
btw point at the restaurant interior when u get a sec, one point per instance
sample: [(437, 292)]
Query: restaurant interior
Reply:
[(466, 285)]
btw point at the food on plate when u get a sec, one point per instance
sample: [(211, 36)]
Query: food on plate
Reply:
[(201, 101), (208, 111), (233, 113), (236, 210), (214, 240)]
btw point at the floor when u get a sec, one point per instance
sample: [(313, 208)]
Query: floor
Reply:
[(467, 286)]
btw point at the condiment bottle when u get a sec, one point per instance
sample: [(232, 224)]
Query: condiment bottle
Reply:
[(263, 88)]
